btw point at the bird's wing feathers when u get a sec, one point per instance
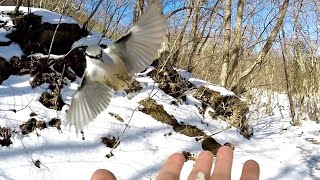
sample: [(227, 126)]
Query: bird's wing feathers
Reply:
[(89, 101), (140, 45)]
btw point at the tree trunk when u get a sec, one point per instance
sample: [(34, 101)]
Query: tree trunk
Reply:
[(289, 92), (16, 10), (226, 43), (195, 38), (138, 10), (235, 56), (178, 41), (206, 37), (237, 86)]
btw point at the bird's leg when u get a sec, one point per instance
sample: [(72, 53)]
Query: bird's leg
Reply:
[(107, 82), (122, 78)]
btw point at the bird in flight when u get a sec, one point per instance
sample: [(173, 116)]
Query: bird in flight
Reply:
[(111, 69)]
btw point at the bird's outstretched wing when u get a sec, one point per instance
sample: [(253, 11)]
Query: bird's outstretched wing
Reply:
[(89, 101), (139, 47)]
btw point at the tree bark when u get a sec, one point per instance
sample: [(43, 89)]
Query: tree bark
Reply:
[(235, 56), (194, 34), (226, 43), (138, 10), (178, 41), (289, 91), (237, 86), (19, 3)]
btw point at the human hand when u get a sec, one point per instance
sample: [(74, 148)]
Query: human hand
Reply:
[(201, 169)]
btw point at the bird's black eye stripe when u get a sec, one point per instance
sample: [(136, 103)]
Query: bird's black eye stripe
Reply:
[(97, 57)]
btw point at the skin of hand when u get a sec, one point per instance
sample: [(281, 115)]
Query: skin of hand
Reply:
[(201, 169)]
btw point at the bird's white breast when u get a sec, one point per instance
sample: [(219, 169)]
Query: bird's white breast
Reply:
[(108, 70)]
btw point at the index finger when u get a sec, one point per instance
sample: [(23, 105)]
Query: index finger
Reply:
[(223, 165), (172, 167)]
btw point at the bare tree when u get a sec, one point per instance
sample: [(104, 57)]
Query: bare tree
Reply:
[(85, 24), (138, 10), (238, 86), (226, 42), (195, 39), (237, 46), (178, 41), (19, 3)]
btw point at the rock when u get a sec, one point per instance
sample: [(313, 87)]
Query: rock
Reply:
[(70, 75), (1, 79), (211, 145), (33, 36), (5, 69)]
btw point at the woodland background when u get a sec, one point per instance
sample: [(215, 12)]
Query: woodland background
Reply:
[(239, 44)]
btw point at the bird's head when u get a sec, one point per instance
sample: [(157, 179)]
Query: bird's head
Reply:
[(94, 52)]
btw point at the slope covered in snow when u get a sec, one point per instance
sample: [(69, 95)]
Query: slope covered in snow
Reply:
[(283, 151)]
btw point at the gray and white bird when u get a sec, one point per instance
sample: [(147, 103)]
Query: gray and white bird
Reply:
[(111, 69)]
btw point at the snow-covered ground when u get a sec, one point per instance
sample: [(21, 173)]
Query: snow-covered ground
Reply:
[(283, 151)]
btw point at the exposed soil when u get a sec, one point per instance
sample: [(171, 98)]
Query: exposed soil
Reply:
[(169, 80), (188, 156), (5, 136), (32, 114), (55, 122), (157, 111), (134, 86), (31, 126), (110, 142), (51, 100), (229, 108)]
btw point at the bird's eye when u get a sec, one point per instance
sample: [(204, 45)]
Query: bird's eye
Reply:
[(103, 46)]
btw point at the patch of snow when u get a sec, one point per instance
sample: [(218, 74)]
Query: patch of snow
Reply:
[(3, 34), (93, 39), (6, 19), (7, 52), (47, 16), (198, 82), (282, 151)]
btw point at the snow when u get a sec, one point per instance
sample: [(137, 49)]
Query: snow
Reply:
[(7, 52), (92, 39), (282, 150), (47, 16), (198, 83), (5, 19)]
